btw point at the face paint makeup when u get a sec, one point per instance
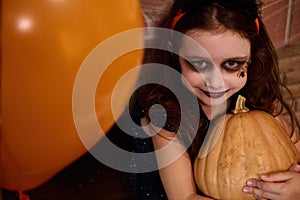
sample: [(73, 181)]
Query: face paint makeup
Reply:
[(242, 72)]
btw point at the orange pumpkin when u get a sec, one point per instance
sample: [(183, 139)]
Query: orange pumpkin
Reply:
[(238, 147)]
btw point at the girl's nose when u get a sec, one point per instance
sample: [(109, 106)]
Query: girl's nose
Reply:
[(213, 79)]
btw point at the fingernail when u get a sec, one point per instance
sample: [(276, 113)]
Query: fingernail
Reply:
[(263, 176), (297, 167), (250, 183), (245, 189)]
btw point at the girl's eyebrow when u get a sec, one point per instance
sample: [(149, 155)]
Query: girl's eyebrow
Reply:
[(196, 57), (238, 58), (201, 57)]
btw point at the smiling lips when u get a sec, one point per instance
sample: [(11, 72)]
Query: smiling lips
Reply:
[(214, 94)]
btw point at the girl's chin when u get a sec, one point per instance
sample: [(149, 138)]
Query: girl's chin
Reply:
[(211, 102)]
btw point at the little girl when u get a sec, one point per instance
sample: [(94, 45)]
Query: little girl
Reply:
[(239, 58)]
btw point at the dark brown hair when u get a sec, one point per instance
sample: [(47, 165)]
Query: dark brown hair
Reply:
[(264, 87)]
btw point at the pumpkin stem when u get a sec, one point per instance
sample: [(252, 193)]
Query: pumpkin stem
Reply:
[(240, 105)]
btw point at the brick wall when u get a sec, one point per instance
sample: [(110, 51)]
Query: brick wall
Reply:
[(289, 62), (283, 30), (286, 39)]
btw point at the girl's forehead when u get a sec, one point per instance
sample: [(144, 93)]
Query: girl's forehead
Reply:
[(226, 44)]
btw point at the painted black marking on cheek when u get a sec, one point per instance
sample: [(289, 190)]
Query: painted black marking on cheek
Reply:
[(241, 74)]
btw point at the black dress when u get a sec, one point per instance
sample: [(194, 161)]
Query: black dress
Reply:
[(148, 185)]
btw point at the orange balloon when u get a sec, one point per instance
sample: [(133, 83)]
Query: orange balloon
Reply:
[(44, 43)]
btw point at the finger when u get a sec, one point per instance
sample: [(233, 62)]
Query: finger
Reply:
[(262, 194), (265, 186), (259, 198), (277, 176), (250, 190), (295, 168)]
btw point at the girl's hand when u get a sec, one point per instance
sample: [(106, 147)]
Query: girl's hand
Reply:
[(276, 186)]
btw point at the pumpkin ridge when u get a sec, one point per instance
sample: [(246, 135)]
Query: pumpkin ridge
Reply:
[(220, 143), (291, 144), (244, 173), (230, 153), (244, 120), (283, 145), (280, 140), (274, 139), (291, 152), (227, 170), (252, 157), (244, 149), (205, 189)]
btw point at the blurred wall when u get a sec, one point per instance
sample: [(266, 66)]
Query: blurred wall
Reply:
[(281, 18)]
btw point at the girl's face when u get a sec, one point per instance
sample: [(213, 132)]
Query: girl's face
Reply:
[(218, 70)]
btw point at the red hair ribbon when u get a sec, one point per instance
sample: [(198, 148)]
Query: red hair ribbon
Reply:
[(257, 25), (177, 18)]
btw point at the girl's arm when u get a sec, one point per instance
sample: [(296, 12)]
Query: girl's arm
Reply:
[(177, 177)]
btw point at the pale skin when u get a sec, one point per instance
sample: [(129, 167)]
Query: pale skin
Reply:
[(177, 178), (214, 81)]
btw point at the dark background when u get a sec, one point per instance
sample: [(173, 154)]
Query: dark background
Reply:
[(85, 179)]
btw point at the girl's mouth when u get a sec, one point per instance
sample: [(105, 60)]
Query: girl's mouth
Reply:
[(214, 94)]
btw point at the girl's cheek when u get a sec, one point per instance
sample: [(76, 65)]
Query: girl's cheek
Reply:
[(235, 79)]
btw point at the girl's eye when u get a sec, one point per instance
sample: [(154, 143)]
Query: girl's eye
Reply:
[(200, 65), (233, 65)]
